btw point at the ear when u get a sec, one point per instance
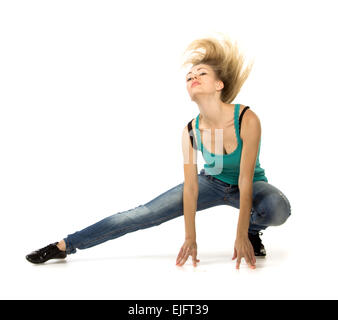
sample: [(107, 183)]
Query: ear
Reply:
[(219, 85)]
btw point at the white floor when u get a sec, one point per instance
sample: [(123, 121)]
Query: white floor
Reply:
[(141, 265)]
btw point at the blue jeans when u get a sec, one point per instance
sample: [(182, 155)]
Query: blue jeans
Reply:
[(270, 207)]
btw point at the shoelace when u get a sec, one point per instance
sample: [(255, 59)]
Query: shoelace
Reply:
[(45, 249)]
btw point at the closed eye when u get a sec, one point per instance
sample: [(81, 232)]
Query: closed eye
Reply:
[(203, 73)]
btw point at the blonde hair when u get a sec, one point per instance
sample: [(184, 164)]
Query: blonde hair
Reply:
[(225, 59)]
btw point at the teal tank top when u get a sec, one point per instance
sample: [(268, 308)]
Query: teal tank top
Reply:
[(226, 167)]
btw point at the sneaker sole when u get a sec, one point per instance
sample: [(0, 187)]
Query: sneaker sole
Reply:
[(39, 262)]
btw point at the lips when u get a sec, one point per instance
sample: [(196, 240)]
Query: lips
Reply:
[(195, 83)]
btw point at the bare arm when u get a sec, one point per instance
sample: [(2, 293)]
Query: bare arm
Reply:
[(251, 132), (190, 196), (190, 188)]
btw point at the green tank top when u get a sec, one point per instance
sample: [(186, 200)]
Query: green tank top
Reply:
[(226, 167)]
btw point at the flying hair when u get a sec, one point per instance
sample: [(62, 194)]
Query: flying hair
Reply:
[(224, 57)]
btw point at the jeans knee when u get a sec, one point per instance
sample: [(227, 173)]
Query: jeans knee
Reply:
[(281, 217), (276, 210), (282, 209)]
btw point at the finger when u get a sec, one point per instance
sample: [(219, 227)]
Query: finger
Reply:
[(180, 261), (179, 255), (184, 258), (194, 259), (235, 254), (179, 258), (238, 262), (184, 252), (253, 259), (248, 260), (183, 261)]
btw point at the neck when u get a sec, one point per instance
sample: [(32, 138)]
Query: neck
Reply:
[(212, 111)]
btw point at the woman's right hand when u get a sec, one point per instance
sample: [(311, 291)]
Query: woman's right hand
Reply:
[(188, 248)]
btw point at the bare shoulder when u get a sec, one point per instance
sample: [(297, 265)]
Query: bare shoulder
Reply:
[(250, 122), (193, 126), (248, 113), (189, 162), (187, 146), (186, 129)]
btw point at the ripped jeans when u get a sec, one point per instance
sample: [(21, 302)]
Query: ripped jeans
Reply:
[(270, 207)]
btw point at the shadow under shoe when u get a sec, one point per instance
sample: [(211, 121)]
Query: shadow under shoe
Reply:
[(257, 244), (46, 253)]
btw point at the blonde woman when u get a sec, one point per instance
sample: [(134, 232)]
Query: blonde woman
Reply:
[(229, 138)]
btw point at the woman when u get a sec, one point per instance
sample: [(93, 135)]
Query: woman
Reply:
[(228, 137)]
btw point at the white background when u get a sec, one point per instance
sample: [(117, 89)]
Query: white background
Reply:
[(93, 103)]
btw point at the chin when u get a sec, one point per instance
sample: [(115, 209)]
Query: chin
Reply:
[(194, 98), (195, 95)]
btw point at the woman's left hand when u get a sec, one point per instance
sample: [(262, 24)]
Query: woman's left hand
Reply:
[(243, 248)]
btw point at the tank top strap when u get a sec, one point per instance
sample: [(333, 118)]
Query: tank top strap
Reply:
[(199, 141), (236, 121)]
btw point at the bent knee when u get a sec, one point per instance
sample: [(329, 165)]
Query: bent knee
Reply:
[(277, 209), (282, 209)]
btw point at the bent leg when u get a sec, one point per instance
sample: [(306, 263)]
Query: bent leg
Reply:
[(270, 207), (166, 206)]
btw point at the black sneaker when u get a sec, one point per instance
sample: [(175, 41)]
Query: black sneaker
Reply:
[(257, 244), (49, 252)]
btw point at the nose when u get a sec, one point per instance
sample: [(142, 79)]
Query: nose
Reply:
[(195, 77)]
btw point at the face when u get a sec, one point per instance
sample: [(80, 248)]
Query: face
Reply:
[(201, 79)]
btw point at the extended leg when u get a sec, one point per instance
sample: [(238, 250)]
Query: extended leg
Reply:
[(167, 206)]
